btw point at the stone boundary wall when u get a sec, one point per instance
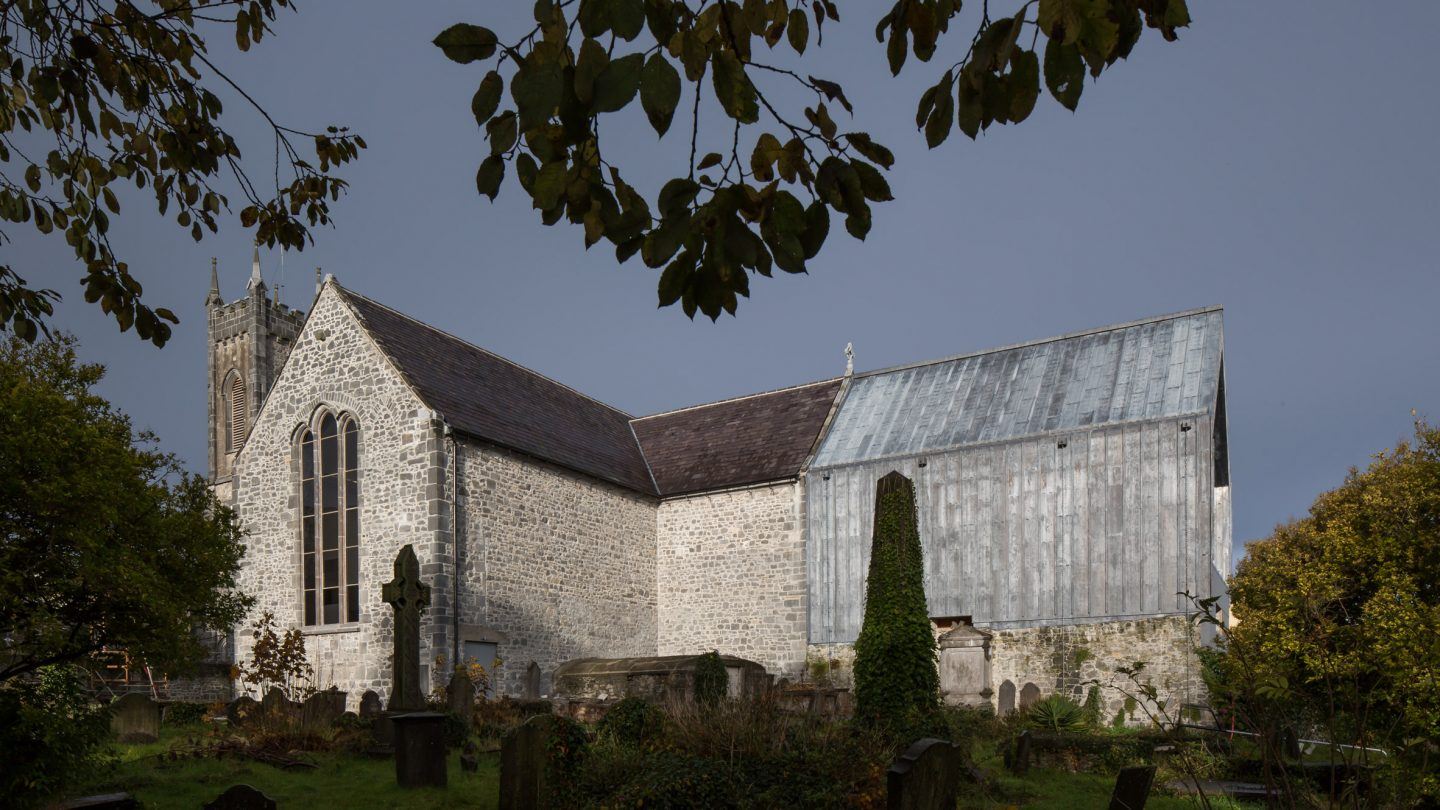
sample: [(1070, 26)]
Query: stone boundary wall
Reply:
[(1061, 658), (731, 569), (554, 564)]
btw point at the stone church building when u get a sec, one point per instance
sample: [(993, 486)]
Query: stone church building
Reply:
[(1068, 490)]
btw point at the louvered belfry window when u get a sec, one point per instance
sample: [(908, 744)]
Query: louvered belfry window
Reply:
[(235, 414), (330, 520)]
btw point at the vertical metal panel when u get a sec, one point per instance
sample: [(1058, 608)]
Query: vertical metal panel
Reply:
[(1026, 531)]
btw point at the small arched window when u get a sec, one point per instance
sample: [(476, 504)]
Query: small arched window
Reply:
[(233, 406), (330, 519)]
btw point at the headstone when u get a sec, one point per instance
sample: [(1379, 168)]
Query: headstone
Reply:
[(323, 708), (1029, 695), (926, 776), (242, 797), (460, 696), (532, 682), (240, 710), (469, 757), (1132, 788), (408, 596), (523, 758), (964, 666), (102, 801), (1020, 759), (420, 755), (135, 718), (1007, 698), (276, 704), (369, 704)]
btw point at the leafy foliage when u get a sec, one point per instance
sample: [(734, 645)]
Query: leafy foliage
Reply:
[(632, 721), (276, 661), (96, 95), (740, 210), (711, 680), (51, 733), (739, 753), (896, 677), (104, 541), (1058, 713), (1340, 613)]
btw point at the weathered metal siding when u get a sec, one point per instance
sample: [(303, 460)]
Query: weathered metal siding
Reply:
[(1115, 523), (1144, 371)]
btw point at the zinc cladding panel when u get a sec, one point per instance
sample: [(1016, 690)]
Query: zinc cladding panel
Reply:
[(1150, 370)]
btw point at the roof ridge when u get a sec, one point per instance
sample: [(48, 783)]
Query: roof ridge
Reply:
[(1057, 338), (732, 399), (501, 358)]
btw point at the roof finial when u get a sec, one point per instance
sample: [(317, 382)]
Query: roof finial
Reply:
[(319, 281), (849, 359), (255, 280), (214, 297)]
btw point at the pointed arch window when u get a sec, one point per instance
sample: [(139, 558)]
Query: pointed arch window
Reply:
[(330, 519), (234, 409)]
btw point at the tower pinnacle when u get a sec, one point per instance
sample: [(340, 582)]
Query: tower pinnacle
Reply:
[(213, 299), (255, 280)]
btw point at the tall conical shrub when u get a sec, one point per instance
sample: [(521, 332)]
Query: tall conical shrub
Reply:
[(897, 682)]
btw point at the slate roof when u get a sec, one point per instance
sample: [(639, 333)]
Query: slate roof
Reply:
[(486, 396), (1162, 367), (764, 437)]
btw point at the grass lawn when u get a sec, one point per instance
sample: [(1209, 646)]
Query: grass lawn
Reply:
[(341, 780)]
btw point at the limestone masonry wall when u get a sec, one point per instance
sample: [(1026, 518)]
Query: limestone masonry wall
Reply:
[(555, 565), (1061, 658), (731, 571), (401, 463)]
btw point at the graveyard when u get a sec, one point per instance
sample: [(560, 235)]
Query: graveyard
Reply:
[(678, 731)]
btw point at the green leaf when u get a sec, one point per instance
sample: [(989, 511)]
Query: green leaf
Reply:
[(464, 43), (592, 61), (872, 182), (502, 132), (550, 184), (733, 88), (1064, 73), (537, 90), (627, 18), (712, 159), (487, 98), (798, 30), (674, 281), (595, 16), (817, 228), (659, 92), (487, 179), (895, 50), (618, 82), (942, 118), (972, 109), (676, 195), (1024, 84), (873, 151)]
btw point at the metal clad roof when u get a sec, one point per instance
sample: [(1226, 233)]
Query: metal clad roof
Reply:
[(1152, 369)]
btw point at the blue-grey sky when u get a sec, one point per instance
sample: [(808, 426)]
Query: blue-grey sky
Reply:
[(1278, 160)]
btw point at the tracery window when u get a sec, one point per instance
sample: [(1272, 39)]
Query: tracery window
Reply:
[(234, 410), (330, 519)]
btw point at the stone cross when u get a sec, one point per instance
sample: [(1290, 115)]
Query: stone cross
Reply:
[(408, 596)]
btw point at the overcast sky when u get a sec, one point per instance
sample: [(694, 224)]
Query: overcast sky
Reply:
[(1278, 160)]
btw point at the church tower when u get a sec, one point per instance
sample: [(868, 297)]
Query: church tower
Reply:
[(248, 341)]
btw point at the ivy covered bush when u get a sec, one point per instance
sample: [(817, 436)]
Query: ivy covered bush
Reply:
[(711, 681), (897, 681), (633, 721)]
